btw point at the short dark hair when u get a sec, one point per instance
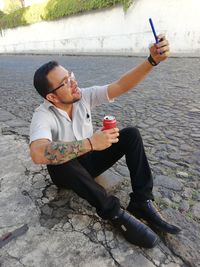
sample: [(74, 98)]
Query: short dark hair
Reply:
[(40, 80)]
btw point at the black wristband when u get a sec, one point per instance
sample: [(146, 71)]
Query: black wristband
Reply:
[(90, 143), (152, 61)]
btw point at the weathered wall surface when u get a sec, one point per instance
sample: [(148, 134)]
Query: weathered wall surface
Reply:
[(111, 31)]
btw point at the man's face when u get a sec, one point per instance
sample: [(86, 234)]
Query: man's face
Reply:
[(68, 91)]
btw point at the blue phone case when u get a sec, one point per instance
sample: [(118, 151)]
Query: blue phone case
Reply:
[(153, 30)]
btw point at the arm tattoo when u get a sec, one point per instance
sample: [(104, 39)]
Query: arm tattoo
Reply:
[(60, 152)]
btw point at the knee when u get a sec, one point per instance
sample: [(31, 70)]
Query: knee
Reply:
[(130, 135), (133, 132)]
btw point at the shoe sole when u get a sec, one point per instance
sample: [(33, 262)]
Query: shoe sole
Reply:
[(156, 227), (160, 229), (152, 245)]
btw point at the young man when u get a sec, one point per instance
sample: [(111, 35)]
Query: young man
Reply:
[(61, 136)]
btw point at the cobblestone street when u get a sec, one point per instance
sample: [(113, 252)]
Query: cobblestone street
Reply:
[(63, 230)]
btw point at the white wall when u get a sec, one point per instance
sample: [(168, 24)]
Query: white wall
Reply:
[(111, 31), (1, 4)]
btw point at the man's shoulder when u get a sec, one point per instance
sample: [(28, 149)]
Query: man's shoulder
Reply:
[(95, 95), (93, 91), (39, 108), (42, 111), (93, 87), (44, 107)]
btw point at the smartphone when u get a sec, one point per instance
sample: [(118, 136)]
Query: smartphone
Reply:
[(153, 30)]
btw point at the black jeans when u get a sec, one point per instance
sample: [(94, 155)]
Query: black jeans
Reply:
[(78, 174)]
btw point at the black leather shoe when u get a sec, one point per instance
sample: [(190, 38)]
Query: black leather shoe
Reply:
[(146, 210), (134, 231)]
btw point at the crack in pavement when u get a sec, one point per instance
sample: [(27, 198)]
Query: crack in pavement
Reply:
[(102, 243), (15, 258), (167, 244)]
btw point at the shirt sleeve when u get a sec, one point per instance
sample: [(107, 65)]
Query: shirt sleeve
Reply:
[(96, 95), (40, 127)]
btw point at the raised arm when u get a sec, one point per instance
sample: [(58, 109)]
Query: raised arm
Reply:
[(129, 80)]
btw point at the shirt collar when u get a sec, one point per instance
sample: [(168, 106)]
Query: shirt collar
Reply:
[(48, 104)]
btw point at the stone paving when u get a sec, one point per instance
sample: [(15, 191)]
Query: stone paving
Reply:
[(62, 229)]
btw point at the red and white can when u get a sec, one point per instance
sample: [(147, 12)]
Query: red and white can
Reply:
[(109, 122)]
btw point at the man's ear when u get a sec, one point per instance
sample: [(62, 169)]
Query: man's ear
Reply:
[(52, 98)]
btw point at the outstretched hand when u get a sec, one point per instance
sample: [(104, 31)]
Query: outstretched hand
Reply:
[(161, 50), (104, 139)]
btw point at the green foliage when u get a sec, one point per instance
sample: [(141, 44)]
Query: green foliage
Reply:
[(126, 4), (1, 14), (60, 8), (55, 9), (11, 6)]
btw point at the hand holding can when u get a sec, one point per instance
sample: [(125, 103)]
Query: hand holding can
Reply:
[(105, 137)]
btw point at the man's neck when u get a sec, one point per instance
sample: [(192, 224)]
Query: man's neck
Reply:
[(67, 108)]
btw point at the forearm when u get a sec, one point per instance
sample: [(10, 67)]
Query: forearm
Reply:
[(43, 151), (159, 52), (56, 153), (130, 79)]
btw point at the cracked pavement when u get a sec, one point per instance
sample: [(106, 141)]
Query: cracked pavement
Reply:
[(64, 230)]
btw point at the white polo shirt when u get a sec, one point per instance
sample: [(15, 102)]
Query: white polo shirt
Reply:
[(52, 123)]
